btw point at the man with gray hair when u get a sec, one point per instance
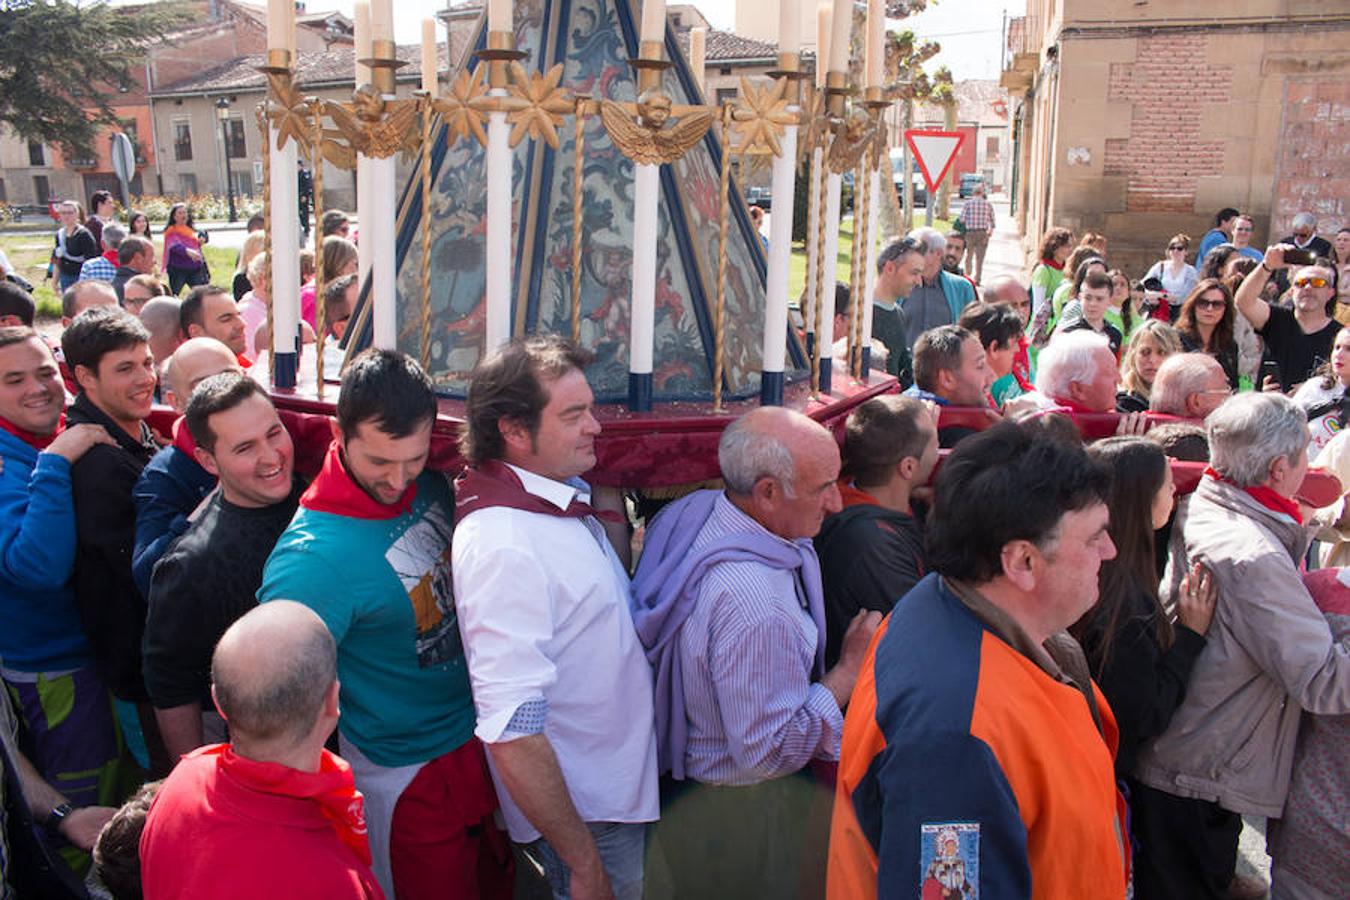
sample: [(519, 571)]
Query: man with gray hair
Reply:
[(103, 268), (1077, 369), (1269, 655), (729, 604), (1305, 236), (939, 298), (1189, 385), (272, 796)]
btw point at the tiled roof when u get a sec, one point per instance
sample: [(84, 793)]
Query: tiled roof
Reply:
[(335, 66), (726, 46), (977, 100)]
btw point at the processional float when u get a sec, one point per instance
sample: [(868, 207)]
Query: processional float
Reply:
[(571, 178)]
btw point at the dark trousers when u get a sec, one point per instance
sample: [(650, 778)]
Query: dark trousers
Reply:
[(1187, 849), (766, 840)]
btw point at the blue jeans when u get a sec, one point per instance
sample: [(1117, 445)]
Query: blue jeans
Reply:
[(622, 846)]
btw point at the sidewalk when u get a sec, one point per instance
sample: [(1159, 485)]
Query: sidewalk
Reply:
[(1004, 256)]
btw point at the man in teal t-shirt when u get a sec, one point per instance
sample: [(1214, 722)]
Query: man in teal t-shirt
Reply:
[(369, 552)]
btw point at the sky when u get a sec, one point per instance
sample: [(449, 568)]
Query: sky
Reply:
[(970, 31)]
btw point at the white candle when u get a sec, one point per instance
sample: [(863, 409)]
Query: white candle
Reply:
[(697, 54), (646, 195), (499, 15), (290, 30), (381, 20), (822, 41), (653, 20), (361, 18), (841, 26), (789, 26), (780, 245), (875, 52), (497, 251), (429, 66), (278, 15)]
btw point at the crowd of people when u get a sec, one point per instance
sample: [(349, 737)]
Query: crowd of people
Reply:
[(952, 650)]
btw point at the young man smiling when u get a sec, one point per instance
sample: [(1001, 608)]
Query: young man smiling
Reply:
[(209, 577), (369, 551), (47, 665), (108, 352)]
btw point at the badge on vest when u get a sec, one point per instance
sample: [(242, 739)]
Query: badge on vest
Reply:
[(949, 857)]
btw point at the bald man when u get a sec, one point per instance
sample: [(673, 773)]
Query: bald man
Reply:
[(84, 295), (729, 605), (160, 316), (273, 797), (173, 483)]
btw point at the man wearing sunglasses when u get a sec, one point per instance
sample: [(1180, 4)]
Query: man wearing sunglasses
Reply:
[(1297, 340)]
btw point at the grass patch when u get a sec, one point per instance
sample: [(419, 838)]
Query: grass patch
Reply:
[(28, 253)]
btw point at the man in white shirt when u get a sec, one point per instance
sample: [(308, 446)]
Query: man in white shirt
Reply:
[(562, 685)]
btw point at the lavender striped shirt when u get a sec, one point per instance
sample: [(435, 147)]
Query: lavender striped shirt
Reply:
[(747, 652)]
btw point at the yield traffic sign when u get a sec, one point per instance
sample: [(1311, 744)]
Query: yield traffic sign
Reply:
[(935, 151)]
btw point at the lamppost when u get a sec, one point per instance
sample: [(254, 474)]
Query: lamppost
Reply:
[(223, 113)]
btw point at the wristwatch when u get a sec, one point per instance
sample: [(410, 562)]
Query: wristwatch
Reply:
[(58, 815)]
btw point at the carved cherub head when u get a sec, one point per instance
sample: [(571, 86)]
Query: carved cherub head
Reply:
[(653, 108), (368, 103), (856, 124)]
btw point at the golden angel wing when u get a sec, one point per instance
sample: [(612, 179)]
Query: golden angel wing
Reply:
[(348, 125), (844, 153), (634, 141), (674, 141)]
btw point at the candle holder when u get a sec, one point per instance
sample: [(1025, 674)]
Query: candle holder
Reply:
[(653, 130), (790, 70), (498, 54)]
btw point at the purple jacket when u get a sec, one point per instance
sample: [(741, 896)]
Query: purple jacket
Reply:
[(665, 590)]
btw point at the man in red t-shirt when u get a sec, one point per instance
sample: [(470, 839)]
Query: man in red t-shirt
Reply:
[(272, 813)]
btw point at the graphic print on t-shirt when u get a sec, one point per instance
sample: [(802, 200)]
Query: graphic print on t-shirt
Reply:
[(421, 560)]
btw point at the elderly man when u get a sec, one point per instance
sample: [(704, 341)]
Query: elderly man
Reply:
[(1229, 748), (952, 369), (1298, 341), (273, 796), (104, 267), (899, 268), (871, 552), (939, 298), (1189, 385), (1305, 236), (173, 483), (1078, 370), (729, 604), (978, 753)]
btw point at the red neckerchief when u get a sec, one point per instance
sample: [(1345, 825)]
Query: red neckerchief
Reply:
[(494, 483), (334, 491), (332, 788), (852, 495), (1021, 370), (244, 361), (1263, 495), (38, 442), (1052, 264), (182, 438), (111, 256)]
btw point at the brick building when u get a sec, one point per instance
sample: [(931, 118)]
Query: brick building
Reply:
[(1140, 120), (221, 31)]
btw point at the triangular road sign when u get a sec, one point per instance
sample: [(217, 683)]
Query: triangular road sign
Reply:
[(935, 151)]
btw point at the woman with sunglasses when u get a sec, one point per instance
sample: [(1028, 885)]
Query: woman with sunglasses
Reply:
[(1206, 325), (1178, 277)]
